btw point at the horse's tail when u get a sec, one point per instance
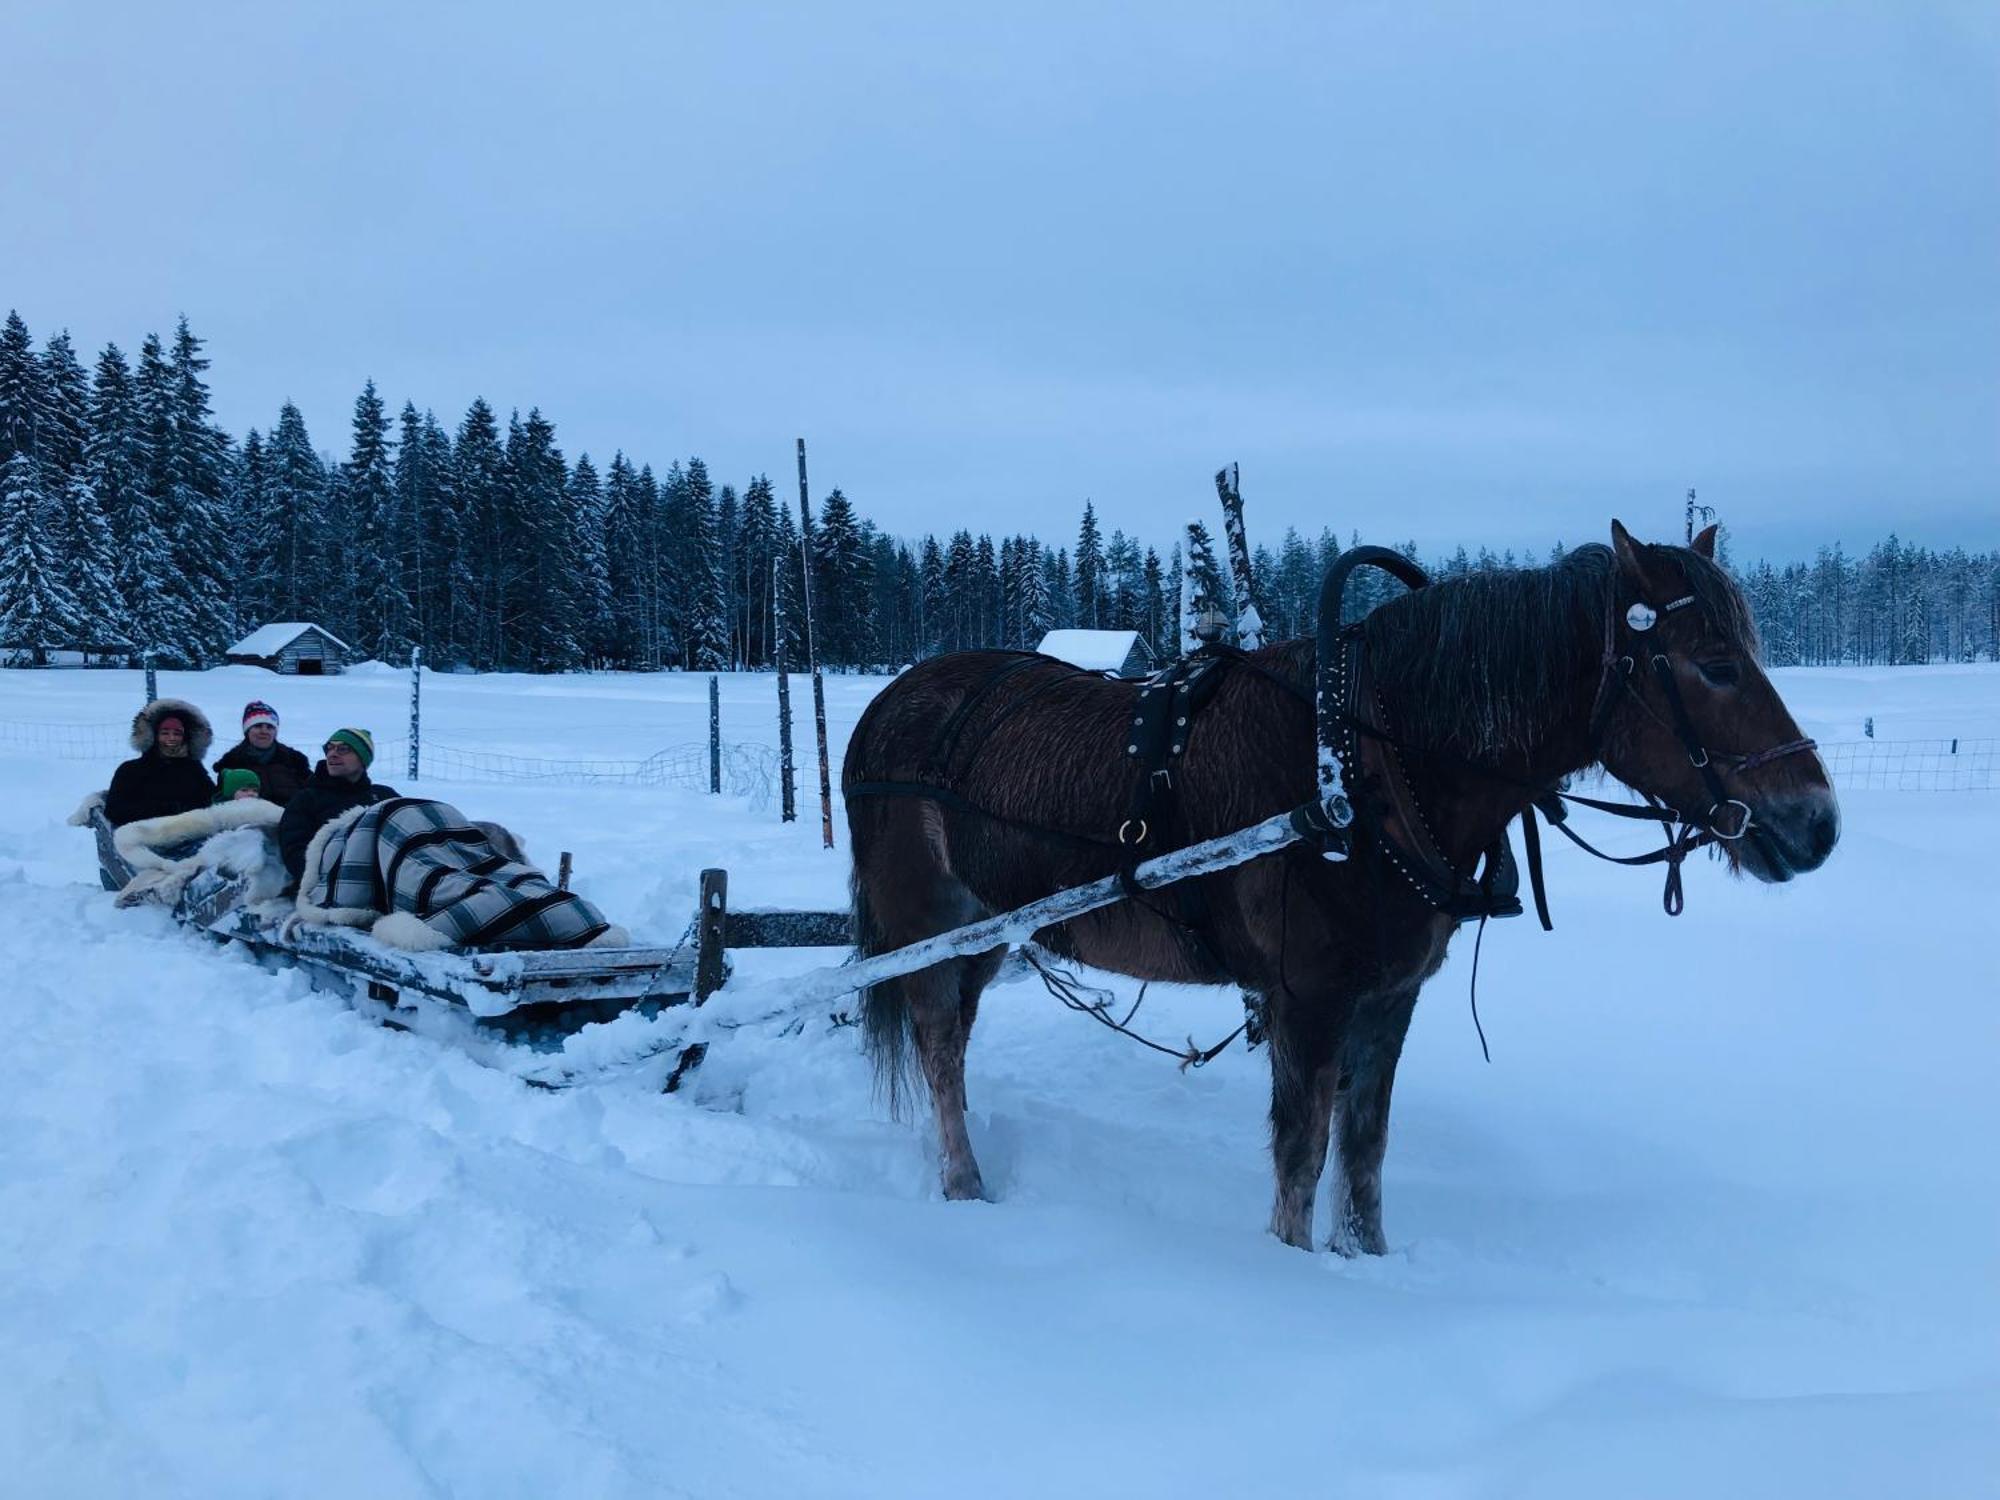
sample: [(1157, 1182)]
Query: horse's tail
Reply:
[(886, 1028)]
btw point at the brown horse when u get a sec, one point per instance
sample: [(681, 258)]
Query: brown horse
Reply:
[(1497, 683)]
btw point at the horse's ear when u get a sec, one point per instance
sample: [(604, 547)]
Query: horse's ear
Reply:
[(1627, 551), (1704, 545)]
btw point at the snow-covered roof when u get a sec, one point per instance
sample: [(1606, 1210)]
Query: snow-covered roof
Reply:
[(269, 640), (1093, 650)]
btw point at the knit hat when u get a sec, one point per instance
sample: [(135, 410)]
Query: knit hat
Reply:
[(229, 783), (258, 712), (360, 741)]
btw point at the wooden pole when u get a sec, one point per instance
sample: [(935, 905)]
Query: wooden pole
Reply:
[(563, 866), (812, 658), (416, 707), (1249, 622), (152, 680), (710, 926), (796, 993), (787, 775), (714, 734)]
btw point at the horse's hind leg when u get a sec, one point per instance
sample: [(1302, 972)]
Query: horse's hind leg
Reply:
[(1368, 1056), (943, 1000), (905, 891)]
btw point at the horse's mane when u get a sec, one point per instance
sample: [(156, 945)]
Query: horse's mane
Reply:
[(1489, 664)]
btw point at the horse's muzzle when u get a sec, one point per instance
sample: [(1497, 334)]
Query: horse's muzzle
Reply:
[(1790, 834)]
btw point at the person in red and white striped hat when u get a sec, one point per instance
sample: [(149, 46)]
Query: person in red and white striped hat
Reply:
[(280, 769)]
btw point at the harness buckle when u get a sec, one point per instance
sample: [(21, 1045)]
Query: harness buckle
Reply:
[(1729, 836), (1699, 758), (1164, 779)]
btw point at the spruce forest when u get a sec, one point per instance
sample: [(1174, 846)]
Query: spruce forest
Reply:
[(132, 525)]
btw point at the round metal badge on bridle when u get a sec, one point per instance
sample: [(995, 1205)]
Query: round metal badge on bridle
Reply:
[(1641, 616)]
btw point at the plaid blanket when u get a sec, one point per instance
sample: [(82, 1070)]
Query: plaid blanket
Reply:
[(417, 874)]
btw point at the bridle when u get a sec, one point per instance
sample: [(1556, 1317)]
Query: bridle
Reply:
[(1616, 682)]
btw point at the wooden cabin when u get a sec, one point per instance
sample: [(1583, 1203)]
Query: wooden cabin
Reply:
[(296, 648), (1119, 651)]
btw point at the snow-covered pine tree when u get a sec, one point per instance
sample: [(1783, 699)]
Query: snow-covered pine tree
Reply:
[(65, 428), (961, 582), (37, 611), (707, 608), (842, 611), (157, 586), (413, 483), (1155, 622), (546, 595), (1062, 588), (728, 526), (1205, 589), (932, 604), (756, 544), (200, 468), (1123, 583), (584, 518), (626, 522), (295, 496), (673, 580), (112, 460), (986, 592), (90, 571), (23, 397), (791, 579), (478, 475), (1089, 571), (1037, 609), (373, 546), (254, 532)]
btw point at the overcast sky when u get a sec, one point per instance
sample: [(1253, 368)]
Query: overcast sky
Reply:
[(1457, 272)]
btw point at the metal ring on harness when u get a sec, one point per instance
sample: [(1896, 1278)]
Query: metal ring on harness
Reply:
[(1742, 824), (1138, 838)]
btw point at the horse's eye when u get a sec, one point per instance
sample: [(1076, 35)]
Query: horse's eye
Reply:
[(1722, 673)]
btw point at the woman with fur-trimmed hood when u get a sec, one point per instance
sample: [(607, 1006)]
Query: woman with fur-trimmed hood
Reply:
[(172, 737)]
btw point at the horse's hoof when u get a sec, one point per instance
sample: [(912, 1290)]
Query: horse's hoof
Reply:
[(1355, 1240), (964, 1187), (1299, 1237)]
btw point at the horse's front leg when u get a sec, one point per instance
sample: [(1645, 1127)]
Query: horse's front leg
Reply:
[(1369, 1051), (1304, 1075)]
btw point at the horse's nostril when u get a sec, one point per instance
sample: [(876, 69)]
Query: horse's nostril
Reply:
[(1824, 832)]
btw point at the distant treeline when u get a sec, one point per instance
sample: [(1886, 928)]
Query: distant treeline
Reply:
[(130, 524)]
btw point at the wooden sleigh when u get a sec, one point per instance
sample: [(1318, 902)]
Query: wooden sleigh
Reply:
[(476, 996)]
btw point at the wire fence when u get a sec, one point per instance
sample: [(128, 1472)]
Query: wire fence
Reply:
[(750, 770), (1945, 765)]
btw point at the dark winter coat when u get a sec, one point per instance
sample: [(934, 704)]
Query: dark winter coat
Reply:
[(281, 769), (155, 785), (322, 799)]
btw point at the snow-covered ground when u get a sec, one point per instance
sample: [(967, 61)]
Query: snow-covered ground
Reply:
[(1720, 1219)]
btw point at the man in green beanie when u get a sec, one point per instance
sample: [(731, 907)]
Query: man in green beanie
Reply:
[(338, 783)]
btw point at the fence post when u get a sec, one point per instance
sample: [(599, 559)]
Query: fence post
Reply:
[(416, 707), (152, 680), (709, 933), (788, 801), (714, 734), (812, 656)]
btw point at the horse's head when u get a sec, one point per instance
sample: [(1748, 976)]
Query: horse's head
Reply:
[(1687, 716)]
